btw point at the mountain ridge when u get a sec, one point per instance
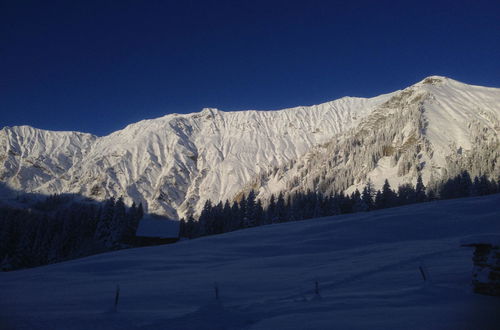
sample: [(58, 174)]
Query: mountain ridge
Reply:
[(416, 142), (172, 164)]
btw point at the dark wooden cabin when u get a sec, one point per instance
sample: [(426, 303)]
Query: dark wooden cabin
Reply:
[(157, 231)]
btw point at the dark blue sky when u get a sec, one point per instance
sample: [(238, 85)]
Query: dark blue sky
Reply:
[(96, 66)]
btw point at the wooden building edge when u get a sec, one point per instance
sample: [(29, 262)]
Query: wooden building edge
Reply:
[(157, 231)]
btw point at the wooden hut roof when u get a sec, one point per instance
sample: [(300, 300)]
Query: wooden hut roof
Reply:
[(158, 227)]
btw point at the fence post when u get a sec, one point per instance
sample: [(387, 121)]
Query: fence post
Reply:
[(216, 289), (117, 296)]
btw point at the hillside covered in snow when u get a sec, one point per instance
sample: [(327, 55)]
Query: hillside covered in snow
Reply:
[(173, 164), (436, 128), (366, 266)]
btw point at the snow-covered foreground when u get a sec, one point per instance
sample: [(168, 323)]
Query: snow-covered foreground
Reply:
[(367, 267)]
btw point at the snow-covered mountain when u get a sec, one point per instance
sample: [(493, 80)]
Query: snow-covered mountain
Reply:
[(436, 128), (174, 163)]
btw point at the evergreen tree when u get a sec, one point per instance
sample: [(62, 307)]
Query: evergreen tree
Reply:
[(271, 211), (367, 196), (191, 230), (379, 202), (484, 186), (475, 187), (259, 213), (236, 216), (431, 195), (420, 195), (119, 224), (388, 198), (105, 223), (359, 204), (25, 255), (131, 224), (464, 184), (280, 208), (226, 216), (345, 203), (182, 228), (243, 220), (250, 210), (140, 211), (406, 194), (334, 205), (218, 219), (318, 207), (290, 208), (205, 219)]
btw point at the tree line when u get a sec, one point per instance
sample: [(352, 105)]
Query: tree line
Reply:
[(60, 228), (249, 211)]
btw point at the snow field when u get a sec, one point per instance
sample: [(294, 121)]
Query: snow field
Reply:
[(366, 264)]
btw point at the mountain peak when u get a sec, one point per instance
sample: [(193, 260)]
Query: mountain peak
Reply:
[(209, 111), (434, 80)]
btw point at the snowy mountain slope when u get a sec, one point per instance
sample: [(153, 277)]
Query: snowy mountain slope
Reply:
[(453, 110), (367, 266), (31, 157), (174, 163), (437, 128)]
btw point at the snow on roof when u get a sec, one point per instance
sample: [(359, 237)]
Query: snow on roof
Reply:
[(491, 239), (154, 227)]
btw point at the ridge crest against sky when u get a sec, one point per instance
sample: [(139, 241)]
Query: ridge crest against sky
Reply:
[(95, 66)]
